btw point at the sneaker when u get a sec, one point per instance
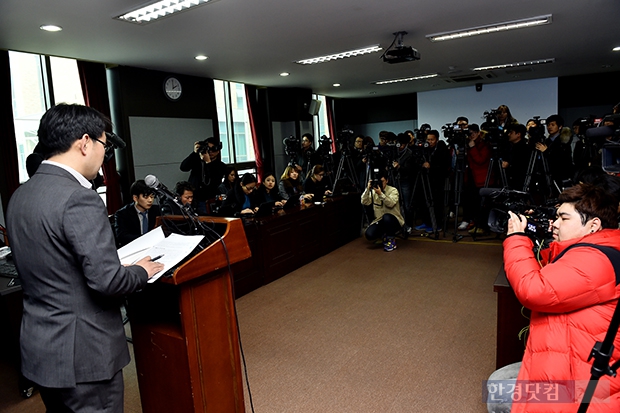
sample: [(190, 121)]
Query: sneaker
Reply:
[(389, 244), (420, 227), (477, 231), (430, 230), (463, 226), (407, 229)]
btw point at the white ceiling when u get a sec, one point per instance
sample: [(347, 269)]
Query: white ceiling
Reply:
[(252, 41)]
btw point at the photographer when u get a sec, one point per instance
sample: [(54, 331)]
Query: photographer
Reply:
[(572, 297), (206, 170), (518, 157), (437, 165), (306, 157), (478, 159), (403, 167), (557, 150), (388, 221)]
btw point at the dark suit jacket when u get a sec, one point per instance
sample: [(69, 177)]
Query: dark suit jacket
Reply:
[(63, 246), (127, 223)]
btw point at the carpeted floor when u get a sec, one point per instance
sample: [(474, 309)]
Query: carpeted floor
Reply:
[(361, 330)]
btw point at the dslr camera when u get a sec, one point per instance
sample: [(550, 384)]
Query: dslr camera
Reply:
[(203, 147)]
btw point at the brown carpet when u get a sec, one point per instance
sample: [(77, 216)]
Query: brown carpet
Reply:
[(361, 330)]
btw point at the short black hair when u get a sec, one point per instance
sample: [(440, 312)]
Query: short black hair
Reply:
[(63, 124), (557, 119), (460, 118), (434, 132), (517, 127), (140, 188), (248, 178), (183, 186)]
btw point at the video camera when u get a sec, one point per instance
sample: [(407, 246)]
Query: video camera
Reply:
[(495, 135), (325, 145), (292, 146), (455, 136), (539, 218), (343, 140), (537, 131)]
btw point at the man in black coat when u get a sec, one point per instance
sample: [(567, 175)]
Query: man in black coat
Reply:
[(206, 171), (129, 221)]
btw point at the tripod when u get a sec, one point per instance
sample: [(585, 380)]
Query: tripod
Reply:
[(428, 197), (459, 169), (345, 166), (537, 160), (496, 160)]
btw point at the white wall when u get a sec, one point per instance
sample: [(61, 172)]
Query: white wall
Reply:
[(525, 99), (159, 145)]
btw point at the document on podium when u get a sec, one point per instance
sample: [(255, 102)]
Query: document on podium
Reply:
[(171, 250)]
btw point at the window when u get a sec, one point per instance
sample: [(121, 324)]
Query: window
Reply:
[(234, 124), (321, 125), (37, 83)]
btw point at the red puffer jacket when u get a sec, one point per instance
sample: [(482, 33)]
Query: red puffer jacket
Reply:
[(572, 302)]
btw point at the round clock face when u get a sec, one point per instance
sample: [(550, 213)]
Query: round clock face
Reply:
[(172, 88)]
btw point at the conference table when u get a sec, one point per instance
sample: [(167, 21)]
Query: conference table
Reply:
[(289, 239)]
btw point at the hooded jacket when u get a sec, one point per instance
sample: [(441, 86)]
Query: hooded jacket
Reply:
[(572, 302)]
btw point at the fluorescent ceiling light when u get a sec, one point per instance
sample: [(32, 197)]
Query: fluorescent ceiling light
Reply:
[(491, 28), (158, 10), (517, 64), (336, 85), (50, 28), (284, 74), (343, 55), (616, 49), (405, 79), (201, 57)]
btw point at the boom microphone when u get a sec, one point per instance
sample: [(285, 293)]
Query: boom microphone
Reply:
[(152, 182)]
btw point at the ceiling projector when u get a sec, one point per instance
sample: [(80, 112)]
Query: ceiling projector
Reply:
[(401, 54)]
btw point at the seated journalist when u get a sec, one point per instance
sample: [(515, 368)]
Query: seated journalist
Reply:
[(241, 199), (290, 185), (572, 293), (185, 195), (315, 185), (388, 221), (137, 218), (268, 191)]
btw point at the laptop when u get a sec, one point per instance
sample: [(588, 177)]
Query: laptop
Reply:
[(265, 209)]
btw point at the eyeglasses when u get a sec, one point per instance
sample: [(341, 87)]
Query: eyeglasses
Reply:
[(106, 145)]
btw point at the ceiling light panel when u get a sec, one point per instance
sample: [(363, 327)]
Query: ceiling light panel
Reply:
[(491, 28), (517, 64), (158, 10), (405, 79), (342, 55)]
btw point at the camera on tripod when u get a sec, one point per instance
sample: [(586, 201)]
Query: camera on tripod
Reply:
[(292, 145), (455, 136), (325, 145), (343, 141), (495, 135), (537, 131)]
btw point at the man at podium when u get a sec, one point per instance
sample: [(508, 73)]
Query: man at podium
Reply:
[(72, 338)]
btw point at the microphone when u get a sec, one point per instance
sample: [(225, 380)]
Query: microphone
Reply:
[(152, 182)]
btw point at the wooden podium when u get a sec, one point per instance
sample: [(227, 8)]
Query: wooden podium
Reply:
[(184, 331)]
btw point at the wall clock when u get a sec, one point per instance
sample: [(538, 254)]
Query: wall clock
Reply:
[(172, 88)]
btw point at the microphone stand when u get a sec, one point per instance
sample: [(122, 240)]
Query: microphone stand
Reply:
[(602, 352)]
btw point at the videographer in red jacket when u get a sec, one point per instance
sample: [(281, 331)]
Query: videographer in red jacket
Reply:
[(572, 299)]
